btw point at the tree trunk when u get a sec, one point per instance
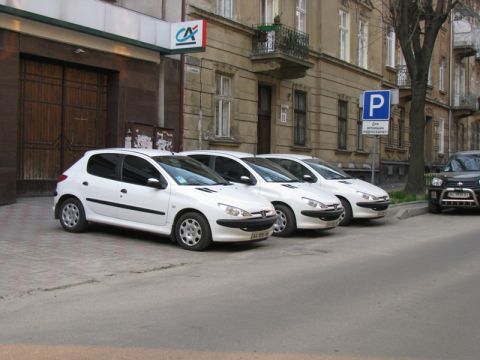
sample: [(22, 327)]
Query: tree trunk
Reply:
[(416, 183)]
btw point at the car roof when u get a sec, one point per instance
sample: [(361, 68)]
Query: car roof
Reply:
[(237, 154), (132, 151), (288, 156)]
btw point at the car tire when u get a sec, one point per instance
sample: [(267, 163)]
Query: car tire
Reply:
[(285, 224), (434, 208), (72, 215), (192, 232), (347, 213)]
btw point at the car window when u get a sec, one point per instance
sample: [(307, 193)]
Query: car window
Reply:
[(187, 171), (294, 167), (230, 169), (464, 162), (204, 159), (137, 171), (103, 165), (328, 171), (269, 171)]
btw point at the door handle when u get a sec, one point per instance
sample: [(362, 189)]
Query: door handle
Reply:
[(85, 183), (123, 191)]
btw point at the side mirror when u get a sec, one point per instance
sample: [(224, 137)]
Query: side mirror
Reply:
[(308, 178), (246, 180), (155, 183)]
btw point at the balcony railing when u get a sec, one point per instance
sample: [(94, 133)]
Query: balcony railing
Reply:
[(469, 102), (465, 38), (277, 38)]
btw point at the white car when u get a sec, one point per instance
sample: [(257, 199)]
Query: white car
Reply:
[(359, 198), (297, 204), (161, 192)]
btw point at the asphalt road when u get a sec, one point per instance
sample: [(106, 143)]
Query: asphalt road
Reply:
[(406, 289)]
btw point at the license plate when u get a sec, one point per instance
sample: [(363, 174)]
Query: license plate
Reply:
[(332, 223), (459, 195), (259, 235), (382, 213)]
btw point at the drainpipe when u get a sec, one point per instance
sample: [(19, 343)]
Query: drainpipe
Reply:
[(182, 85), (450, 86)]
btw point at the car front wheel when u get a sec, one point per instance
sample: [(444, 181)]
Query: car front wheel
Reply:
[(346, 217), (192, 232), (285, 223), (434, 208), (72, 215)]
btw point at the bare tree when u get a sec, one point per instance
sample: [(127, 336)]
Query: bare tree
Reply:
[(416, 24)]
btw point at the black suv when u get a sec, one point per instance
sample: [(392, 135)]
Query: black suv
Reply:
[(458, 185)]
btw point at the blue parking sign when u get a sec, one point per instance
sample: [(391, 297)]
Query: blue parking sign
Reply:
[(376, 105)]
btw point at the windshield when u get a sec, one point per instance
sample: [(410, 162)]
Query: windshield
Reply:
[(269, 171), (187, 171), (463, 162), (328, 171)]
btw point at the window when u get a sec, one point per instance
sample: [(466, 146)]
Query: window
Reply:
[(224, 8), (269, 10), (441, 74), (137, 171), (401, 128), (391, 47), (441, 136), (359, 132), (362, 44), (223, 104), (301, 15), (300, 117), (294, 167), (430, 79), (342, 124), (391, 133), (344, 36), (231, 170), (103, 165)]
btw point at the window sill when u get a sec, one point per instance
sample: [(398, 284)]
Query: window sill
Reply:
[(343, 151), (395, 149), (224, 142), (300, 148), (391, 68), (362, 152)]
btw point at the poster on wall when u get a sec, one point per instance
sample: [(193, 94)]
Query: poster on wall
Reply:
[(142, 136)]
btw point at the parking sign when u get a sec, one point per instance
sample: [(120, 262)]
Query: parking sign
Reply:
[(376, 112)]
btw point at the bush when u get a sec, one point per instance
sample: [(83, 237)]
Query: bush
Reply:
[(397, 197)]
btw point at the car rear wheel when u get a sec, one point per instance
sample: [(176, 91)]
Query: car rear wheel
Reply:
[(192, 232), (72, 215), (346, 217), (285, 223)]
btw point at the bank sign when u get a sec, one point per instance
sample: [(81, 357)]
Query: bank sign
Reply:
[(376, 112), (188, 35)]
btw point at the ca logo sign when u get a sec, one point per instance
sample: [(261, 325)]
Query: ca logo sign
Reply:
[(186, 36)]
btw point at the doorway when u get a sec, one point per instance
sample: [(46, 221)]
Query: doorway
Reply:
[(63, 113), (264, 119)]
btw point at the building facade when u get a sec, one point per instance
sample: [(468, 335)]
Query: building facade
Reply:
[(81, 75), (286, 76)]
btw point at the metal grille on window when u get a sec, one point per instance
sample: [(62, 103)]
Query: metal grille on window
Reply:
[(300, 114), (342, 124)]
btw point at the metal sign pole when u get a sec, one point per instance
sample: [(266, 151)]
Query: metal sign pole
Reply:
[(373, 158)]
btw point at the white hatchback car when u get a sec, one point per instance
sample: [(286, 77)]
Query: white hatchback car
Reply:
[(297, 204), (161, 192), (359, 198)]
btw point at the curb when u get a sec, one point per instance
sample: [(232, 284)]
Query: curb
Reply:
[(407, 210)]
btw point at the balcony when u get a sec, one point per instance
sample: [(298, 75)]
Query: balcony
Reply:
[(465, 105), (465, 36), (280, 51)]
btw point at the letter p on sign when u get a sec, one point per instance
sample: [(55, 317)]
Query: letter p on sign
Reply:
[(376, 105)]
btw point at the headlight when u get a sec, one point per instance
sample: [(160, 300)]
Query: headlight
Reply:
[(314, 203), (367, 196), (437, 181), (233, 211)]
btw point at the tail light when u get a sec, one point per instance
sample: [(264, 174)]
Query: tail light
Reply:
[(62, 177)]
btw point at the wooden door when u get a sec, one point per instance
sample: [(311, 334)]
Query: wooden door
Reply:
[(62, 114), (264, 119)]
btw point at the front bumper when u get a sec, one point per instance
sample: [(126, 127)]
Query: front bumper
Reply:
[(374, 205), (255, 224), (448, 197), (326, 215)]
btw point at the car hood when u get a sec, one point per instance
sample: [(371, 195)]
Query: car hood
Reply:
[(460, 175), (227, 194), (295, 191), (354, 185)]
